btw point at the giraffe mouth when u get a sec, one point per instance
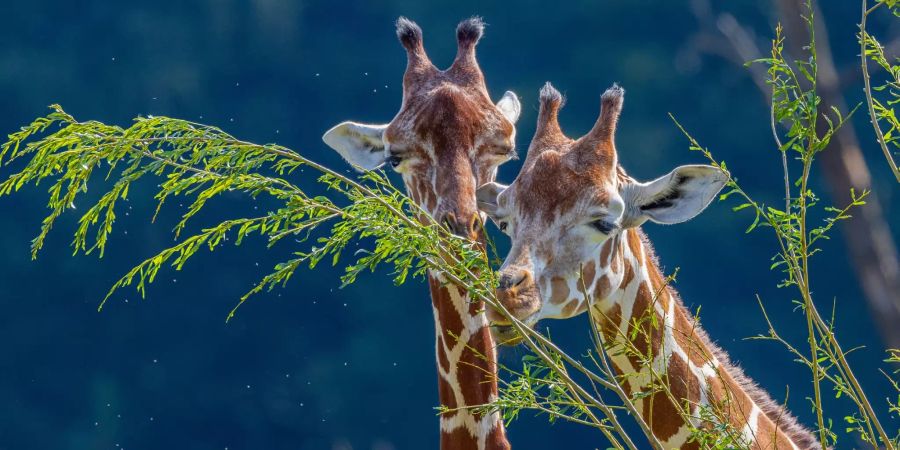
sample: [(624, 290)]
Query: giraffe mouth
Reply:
[(507, 335)]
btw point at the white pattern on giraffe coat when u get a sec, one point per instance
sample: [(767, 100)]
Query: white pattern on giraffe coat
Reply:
[(477, 427)]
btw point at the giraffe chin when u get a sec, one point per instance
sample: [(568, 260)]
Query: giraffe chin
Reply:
[(506, 335)]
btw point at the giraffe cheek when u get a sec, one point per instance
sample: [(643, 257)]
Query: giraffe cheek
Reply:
[(596, 238)]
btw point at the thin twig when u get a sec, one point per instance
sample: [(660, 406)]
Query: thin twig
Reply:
[(870, 102)]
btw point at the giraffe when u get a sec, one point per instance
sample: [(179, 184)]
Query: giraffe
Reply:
[(447, 139), (573, 215)]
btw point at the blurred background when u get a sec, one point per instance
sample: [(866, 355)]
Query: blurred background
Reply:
[(315, 367)]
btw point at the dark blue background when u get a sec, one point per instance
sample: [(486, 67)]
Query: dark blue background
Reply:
[(311, 366)]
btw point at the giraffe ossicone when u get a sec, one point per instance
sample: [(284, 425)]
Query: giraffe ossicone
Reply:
[(447, 139), (573, 215)]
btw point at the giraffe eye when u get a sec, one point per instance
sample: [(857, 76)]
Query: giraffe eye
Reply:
[(603, 226), (394, 161)]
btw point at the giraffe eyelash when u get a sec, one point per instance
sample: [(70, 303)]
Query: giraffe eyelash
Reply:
[(508, 153), (603, 226), (396, 157)]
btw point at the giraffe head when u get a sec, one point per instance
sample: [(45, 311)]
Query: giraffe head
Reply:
[(447, 139), (569, 204)]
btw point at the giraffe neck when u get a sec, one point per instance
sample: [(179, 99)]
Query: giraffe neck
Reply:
[(467, 367), (654, 342), (465, 353)]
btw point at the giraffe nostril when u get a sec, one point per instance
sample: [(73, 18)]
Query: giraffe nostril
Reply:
[(509, 281), (523, 277), (464, 228), (505, 281)]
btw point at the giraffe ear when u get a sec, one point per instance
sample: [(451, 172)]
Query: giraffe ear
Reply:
[(487, 196), (359, 144), (510, 107), (673, 198)]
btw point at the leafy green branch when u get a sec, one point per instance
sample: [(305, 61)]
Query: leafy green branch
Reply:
[(795, 104), (881, 112), (200, 163)]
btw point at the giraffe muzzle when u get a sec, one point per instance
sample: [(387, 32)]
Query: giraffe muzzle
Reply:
[(467, 226), (518, 294)]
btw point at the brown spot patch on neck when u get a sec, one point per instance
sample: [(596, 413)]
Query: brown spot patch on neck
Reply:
[(476, 370), (644, 327), (448, 318), (458, 439), (662, 415)]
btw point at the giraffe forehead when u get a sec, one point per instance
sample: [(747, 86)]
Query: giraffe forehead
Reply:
[(449, 121), (553, 188)]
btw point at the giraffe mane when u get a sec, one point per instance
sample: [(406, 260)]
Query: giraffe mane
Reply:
[(776, 412)]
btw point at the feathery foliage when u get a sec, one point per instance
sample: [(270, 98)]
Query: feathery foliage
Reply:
[(200, 163)]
